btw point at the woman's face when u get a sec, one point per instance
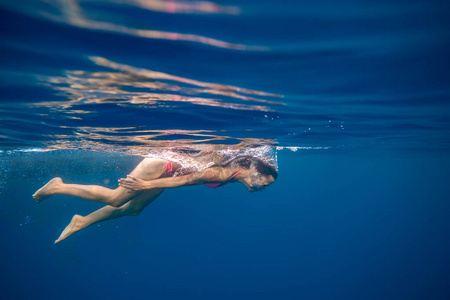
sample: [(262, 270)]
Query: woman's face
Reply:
[(258, 182)]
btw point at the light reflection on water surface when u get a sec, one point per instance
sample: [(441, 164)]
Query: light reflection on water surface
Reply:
[(125, 86)]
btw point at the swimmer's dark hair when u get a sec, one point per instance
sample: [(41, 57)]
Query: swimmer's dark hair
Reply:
[(247, 161)]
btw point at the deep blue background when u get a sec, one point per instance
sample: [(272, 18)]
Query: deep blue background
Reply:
[(334, 225)]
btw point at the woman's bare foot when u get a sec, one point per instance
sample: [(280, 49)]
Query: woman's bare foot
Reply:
[(47, 190), (75, 225)]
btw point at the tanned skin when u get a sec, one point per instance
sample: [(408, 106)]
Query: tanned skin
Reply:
[(212, 174), (139, 189)]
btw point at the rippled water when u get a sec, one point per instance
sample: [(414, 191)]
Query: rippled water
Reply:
[(125, 75)]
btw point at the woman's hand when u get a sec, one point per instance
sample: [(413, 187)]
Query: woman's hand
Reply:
[(134, 184)]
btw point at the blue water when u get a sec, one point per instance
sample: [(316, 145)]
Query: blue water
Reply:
[(353, 95)]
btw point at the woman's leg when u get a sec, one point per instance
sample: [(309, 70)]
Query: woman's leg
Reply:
[(94, 193), (148, 169), (131, 208)]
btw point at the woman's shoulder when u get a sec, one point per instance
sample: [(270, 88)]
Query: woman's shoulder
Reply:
[(213, 174)]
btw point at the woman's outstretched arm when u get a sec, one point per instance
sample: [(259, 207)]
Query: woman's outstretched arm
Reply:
[(213, 174)]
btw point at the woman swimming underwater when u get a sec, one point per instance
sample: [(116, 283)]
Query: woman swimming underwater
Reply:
[(149, 179)]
